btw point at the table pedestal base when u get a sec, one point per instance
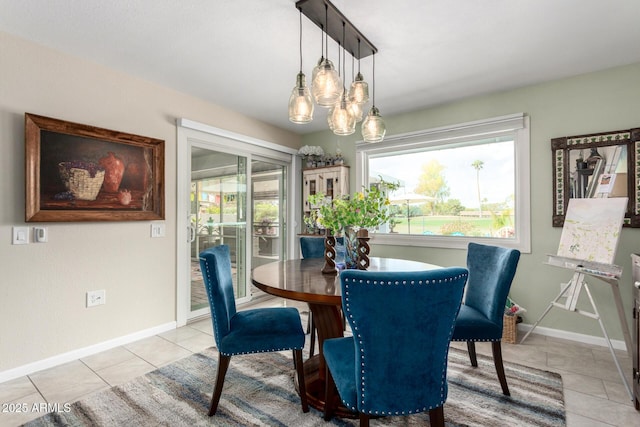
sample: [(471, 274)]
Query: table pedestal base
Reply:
[(315, 385)]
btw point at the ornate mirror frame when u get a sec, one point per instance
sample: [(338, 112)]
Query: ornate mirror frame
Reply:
[(574, 169)]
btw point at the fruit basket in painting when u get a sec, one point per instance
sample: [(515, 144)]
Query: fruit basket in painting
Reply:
[(82, 179)]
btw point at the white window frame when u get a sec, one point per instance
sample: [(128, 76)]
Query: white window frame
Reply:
[(516, 125)]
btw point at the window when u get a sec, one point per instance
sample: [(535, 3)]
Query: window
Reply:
[(468, 182)]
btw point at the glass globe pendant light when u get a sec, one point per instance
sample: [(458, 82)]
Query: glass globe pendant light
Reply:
[(373, 127), (326, 86), (356, 111), (355, 108), (342, 121), (359, 91), (300, 103)]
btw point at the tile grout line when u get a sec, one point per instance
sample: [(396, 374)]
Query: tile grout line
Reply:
[(37, 389)]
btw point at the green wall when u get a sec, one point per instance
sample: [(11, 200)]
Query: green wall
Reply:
[(595, 102)]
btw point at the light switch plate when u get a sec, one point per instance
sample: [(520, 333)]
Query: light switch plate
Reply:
[(20, 235), (157, 229)]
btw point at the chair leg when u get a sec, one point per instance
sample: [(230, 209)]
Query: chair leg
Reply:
[(302, 388), (436, 417), (364, 420), (312, 346), (329, 395), (497, 359), (223, 364), (471, 347)]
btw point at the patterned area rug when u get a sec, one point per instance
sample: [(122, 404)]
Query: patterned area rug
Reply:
[(259, 391)]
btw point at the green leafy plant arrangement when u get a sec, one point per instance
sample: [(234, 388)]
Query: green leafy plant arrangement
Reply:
[(366, 209)]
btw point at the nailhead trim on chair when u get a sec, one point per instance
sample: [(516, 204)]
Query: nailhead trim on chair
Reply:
[(482, 340), (362, 355), (260, 351), (215, 318)]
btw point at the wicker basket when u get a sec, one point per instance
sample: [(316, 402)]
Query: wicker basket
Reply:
[(509, 329), (80, 181)]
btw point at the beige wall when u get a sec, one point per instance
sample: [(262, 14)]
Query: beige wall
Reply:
[(43, 286), (596, 102)]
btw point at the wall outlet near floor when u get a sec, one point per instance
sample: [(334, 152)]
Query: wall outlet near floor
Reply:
[(96, 298)]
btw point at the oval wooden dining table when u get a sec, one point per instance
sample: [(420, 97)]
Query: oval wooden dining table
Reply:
[(302, 280)]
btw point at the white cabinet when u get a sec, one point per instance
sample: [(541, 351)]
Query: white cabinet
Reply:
[(332, 181)]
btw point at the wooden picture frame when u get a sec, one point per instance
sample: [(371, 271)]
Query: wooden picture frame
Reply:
[(77, 172)]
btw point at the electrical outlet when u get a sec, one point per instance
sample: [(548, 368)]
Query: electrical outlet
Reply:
[(96, 298), (157, 229)]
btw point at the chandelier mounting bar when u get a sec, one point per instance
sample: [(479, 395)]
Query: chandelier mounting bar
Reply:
[(317, 10)]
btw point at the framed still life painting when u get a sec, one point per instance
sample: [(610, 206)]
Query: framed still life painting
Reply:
[(78, 172)]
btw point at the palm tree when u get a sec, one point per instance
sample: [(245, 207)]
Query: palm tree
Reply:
[(477, 165)]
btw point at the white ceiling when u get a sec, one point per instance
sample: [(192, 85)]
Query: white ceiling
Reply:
[(243, 54)]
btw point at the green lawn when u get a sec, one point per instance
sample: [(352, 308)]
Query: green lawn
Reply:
[(433, 224)]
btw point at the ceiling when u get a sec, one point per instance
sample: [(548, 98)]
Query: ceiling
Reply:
[(244, 54)]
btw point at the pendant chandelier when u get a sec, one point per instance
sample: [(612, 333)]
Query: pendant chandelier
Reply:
[(327, 88)]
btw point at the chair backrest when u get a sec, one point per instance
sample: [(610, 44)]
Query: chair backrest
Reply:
[(402, 324), (491, 272), (312, 247), (215, 264)]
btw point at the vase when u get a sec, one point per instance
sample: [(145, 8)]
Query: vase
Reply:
[(113, 171), (351, 248), (363, 249), (329, 254)]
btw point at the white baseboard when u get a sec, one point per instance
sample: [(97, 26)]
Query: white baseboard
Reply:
[(59, 359), (572, 336)]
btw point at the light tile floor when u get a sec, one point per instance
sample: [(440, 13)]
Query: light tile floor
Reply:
[(594, 394)]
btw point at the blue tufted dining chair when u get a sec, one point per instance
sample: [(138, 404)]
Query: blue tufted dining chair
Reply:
[(258, 330), (491, 272), (312, 247), (396, 361)]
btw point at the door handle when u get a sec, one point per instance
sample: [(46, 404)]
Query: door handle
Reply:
[(192, 233)]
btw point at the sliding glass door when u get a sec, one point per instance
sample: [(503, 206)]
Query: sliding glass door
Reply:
[(218, 216), (232, 193), (269, 234)]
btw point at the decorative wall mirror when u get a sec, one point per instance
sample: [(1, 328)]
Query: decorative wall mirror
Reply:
[(597, 165)]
